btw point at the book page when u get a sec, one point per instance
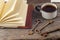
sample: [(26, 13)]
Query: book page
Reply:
[(14, 13), (55, 0)]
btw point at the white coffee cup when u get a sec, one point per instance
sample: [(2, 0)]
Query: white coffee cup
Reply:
[(49, 15)]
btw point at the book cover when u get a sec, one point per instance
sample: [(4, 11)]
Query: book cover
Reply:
[(15, 13)]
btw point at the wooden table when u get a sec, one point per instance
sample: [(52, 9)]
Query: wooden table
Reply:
[(9, 34)]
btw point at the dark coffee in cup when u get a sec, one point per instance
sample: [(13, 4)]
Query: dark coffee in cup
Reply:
[(49, 8)]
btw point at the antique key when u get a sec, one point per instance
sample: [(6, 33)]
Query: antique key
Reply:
[(46, 33), (44, 25), (51, 31), (35, 26)]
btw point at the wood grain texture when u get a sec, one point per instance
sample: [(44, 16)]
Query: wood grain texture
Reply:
[(9, 34), (37, 1)]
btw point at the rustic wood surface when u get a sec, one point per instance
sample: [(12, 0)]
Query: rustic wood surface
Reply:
[(10, 34), (37, 1)]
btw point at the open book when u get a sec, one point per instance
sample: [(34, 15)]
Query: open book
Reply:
[(13, 13)]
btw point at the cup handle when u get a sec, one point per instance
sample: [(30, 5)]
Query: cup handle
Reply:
[(37, 8)]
